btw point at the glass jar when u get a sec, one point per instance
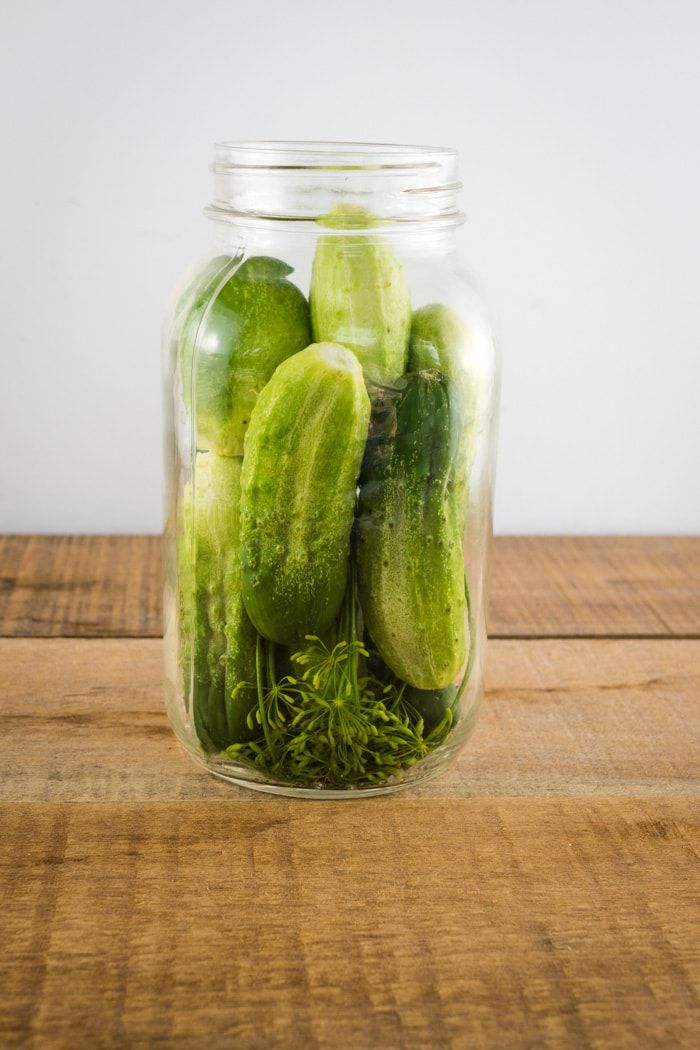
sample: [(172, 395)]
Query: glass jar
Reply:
[(331, 403)]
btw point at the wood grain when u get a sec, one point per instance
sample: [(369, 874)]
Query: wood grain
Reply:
[(83, 586), (543, 893), (85, 720), (595, 586), (553, 586), (392, 923)]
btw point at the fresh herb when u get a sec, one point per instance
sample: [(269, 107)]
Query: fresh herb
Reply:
[(336, 723)]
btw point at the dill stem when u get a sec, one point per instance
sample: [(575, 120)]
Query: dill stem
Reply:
[(271, 675), (353, 602), (354, 656), (261, 692)]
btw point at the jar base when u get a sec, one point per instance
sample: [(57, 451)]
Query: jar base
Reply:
[(346, 794), (428, 769)]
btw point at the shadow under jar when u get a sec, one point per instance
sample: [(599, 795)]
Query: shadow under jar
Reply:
[(331, 395)]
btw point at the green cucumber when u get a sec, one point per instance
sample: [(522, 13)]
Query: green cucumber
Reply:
[(303, 453), (409, 555), (218, 638), (431, 704), (359, 296), (242, 324), (194, 298), (191, 310), (440, 339)]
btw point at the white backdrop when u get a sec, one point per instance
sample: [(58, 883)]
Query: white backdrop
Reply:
[(578, 129)]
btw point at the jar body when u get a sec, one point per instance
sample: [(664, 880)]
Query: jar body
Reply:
[(331, 395)]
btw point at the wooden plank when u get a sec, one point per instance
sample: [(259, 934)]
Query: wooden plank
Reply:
[(84, 586), (552, 586), (595, 586), (393, 922), (85, 720)]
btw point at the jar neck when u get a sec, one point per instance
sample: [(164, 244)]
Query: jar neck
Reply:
[(267, 236), (369, 189)]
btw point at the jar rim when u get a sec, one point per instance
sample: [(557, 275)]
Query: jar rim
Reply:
[(392, 184), (310, 155)]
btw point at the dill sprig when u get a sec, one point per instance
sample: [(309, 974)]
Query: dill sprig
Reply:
[(335, 724)]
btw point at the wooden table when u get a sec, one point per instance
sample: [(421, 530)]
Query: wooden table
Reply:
[(543, 893)]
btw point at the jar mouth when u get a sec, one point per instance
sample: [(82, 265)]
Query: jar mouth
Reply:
[(304, 181), (320, 156)]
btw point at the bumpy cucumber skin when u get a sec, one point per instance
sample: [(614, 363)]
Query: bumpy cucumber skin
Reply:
[(440, 339), (409, 555), (218, 637), (359, 296), (303, 453), (240, 328)]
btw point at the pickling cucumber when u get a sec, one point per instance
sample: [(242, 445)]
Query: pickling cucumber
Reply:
[(409, 555), (359, 296), (431, 704), (218, 638), (441, 339), (303, 453), (245, 320)]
